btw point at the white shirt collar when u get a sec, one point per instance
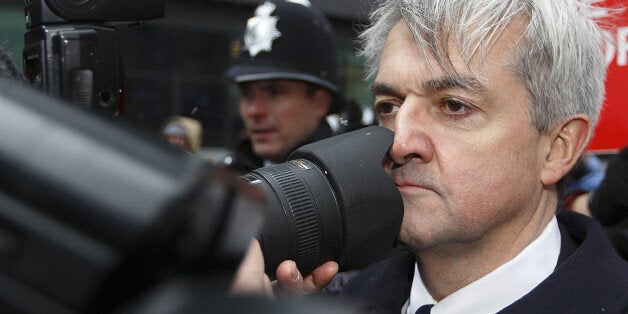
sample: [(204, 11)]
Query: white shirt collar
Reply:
[(500, 288)]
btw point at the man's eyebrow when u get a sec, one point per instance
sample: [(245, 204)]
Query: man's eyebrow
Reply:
[(454, 82), (378, 88), (443, 83), (434, 85)]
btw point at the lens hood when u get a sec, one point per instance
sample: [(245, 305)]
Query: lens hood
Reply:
[(331, 200)]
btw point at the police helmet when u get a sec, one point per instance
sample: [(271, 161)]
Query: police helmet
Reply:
[(288, 39)]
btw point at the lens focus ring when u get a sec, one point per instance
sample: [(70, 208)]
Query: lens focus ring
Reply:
[(303, 212)]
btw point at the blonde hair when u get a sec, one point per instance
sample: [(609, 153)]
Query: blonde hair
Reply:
[(192, 128)]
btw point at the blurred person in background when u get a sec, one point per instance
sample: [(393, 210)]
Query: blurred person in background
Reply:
[(606, 200), (183, 132), (584, 177), (286, 74)]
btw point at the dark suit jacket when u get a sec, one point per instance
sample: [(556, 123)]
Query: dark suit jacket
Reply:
[(590, 278)]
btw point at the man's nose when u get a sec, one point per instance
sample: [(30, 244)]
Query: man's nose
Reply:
[(412, 134)]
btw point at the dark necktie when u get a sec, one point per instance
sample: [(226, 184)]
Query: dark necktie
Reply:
[(425, 309)]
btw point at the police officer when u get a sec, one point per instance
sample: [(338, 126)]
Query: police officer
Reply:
[(286, 75)]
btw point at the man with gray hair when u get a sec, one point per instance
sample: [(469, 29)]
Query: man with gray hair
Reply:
[(492, 103)]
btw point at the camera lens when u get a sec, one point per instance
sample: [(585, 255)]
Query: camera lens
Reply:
[(304, 219), (331, 201)]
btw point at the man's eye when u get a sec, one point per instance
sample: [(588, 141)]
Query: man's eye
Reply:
[(246, 93), (456, 107), (384, 108)]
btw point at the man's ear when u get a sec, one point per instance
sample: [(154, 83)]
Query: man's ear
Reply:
[(567, 142)]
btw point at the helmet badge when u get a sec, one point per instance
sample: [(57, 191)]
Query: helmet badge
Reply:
[(305, 3), (261, 30)]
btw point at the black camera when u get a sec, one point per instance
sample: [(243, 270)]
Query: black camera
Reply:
[(45, 12), (94, 213), (73, 52), (97, 216), (331, 201)]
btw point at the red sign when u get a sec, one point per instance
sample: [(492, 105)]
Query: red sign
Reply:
[(611, 133)]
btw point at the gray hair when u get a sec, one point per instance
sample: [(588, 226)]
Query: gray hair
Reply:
[(560, 58)]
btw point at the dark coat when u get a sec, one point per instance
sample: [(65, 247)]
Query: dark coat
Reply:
[(609, 202), (590, 277)]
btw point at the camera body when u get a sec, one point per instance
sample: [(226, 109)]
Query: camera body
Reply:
[(46, 12), (81, 63), (94, 213), (71, 50)]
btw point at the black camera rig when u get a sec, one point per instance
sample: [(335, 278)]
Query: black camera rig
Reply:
[(72, 48)]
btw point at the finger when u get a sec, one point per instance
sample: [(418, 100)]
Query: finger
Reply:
[(268, 289), (320, 277), (250, 278), (289, 277)]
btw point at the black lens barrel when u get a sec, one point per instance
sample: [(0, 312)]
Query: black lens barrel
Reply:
[(331, 201), (308, 226)]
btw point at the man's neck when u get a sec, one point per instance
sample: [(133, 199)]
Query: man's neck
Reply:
[(447, 269)]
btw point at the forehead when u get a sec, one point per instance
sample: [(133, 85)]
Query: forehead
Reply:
[(402, 55)]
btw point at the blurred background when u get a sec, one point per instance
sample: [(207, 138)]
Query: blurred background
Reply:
[(176, 65)]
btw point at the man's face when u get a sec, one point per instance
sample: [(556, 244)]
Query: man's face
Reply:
[(467, 161), (278, 114)]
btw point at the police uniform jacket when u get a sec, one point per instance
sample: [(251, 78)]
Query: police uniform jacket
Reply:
[(243, 160)]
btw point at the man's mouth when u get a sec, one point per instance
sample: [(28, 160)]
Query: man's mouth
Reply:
[(261, 133), (408, 183)]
